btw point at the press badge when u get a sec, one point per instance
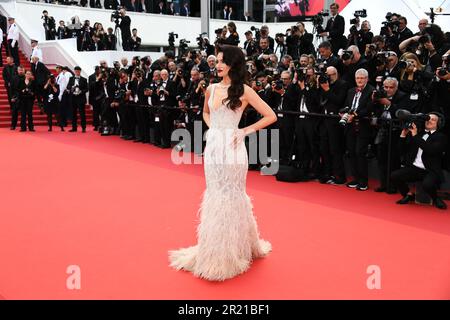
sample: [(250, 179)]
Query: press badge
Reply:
[(414, 96), (156, 119)]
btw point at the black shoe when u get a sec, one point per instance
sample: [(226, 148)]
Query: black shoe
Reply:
[(440, 204), (62, 129), (362, 187), (336, 181), (129, 138), (325, 179), (96, 128), (73, 130), (137, 140), (32, 130), (49, 129), (23, 130), (12, 128), (83, 130), (407, 199), (352, 184), (380, 189)]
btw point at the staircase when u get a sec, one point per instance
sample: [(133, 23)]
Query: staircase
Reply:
[(38, 118)]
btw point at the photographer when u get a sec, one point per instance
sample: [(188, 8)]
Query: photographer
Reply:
[(264, 34), (332, 94), (299, 41), (307, 128), (387, 100), (51, 102), (124, 25), (84, 39), (358, 106), (361, 38), (327, 57), (388, 65), (429, 46), (283, 96), (78, 87), (352, 61), (250, 45), (415, 80), (62, 32), (335, 29), (49, 26), (424, 153), (129, 107)]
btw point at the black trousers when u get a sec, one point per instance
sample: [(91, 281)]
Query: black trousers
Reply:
[(142, 116), (307, 137), (357, 143), (14, 52), (78, 105), (127, 112), (26, 110), (382, 157), (332, 148), (15, 107), (96, 109), (430, 181)]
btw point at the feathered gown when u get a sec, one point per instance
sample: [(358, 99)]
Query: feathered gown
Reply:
[(228, 238)]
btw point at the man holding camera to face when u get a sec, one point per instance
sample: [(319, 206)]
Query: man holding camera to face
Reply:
[(424, 153), (77, 88), (124, 25), (387, 100), (332, 94)]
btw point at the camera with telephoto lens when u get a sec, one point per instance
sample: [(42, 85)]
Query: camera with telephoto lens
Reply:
[(358, 14), (379, 94), (346, 115), (218, 31), (407, 118), (389, 24), (404, 64), (115, 16)]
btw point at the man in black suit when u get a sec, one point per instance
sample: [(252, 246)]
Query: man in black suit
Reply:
[(184, 10), (97, 44), (335, 29), (332, 95), (247, 17), (385, 108), (135, 41), (160, 9), (284, 98), (124, 26), (93, 94), (40, 74), (110, 40), (78, 86), (424, 155), (166, 93), (328, 58), (62, 32), (358, 129)]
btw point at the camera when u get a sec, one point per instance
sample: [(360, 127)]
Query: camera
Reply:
[(358, 14), (409, 118), (218, 31), (445, 69), (403, 64), (115, 16), (301, 73), (344, 119), (279, 84), (256, 30), (120, 95), (258, 83), (379, 94), (347, 55), (317, 21), (321, 71)]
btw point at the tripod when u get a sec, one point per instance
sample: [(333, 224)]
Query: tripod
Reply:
[(118, 35)]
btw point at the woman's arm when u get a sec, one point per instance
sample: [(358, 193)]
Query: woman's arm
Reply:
[(206, 107), (262, 107)]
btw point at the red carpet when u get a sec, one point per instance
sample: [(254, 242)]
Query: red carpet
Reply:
[(115, 208)]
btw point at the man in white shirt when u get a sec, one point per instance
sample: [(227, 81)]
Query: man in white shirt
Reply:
[(36, 51), (423, 153), (13, 40)]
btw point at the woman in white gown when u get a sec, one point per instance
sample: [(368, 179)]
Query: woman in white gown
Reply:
[(228, 237)]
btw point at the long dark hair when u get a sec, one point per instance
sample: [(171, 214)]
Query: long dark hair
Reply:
[(235, 59)]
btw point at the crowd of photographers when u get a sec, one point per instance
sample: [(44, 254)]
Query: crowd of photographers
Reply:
[(94, 38), (359, 96)]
